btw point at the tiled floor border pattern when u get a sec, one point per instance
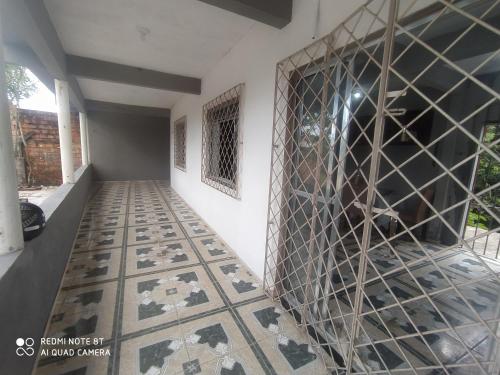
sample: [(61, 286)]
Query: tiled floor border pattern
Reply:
[(118, 337)]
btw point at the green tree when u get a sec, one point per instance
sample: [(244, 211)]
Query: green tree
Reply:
[(487, 177), (19, 86)]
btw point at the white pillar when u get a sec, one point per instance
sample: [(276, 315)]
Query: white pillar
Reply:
[(11, 233), (89, 156), (83, 138), (64, 124)]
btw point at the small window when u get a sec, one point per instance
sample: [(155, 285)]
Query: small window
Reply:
[(180, 143), (220, 141)]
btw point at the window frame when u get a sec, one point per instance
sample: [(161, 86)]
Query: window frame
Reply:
[(180, 125), (213, 117)]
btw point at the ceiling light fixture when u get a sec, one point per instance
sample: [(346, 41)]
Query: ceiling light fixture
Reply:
[(357, 94)]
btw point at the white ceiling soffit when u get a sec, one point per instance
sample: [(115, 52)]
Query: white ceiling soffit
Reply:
[(186, 37), (127, 94)]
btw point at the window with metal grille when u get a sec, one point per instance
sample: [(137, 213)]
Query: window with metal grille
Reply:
[(180, 143), (220, 141), (384, 222)]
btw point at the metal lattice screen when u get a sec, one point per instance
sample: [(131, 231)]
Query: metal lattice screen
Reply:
[(379, 139), (220, 151), (180, 143)]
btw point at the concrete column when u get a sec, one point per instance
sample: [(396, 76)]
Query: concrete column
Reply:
[(83, 138), (89, 156), (11, 233), (64, 124)]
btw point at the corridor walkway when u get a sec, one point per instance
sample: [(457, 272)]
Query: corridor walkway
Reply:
[(166, 295)]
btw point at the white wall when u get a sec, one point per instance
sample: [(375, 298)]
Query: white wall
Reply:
[(243, 223)]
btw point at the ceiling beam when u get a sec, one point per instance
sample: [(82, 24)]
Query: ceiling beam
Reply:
[(275, 13), (118, 73), (27, 23), (98, 106)]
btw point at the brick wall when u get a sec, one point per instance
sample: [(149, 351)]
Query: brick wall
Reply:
[(40, 129)]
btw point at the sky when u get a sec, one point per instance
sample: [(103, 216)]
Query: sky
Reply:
[(42, 100)]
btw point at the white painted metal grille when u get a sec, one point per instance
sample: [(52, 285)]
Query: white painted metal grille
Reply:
[(382, 134), (180, 143), (220, 152)]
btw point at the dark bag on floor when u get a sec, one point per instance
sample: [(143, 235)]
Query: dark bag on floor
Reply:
[(33, 220)]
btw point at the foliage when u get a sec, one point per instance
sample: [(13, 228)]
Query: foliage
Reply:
[(19, 84), (476, 219), (488, 174)]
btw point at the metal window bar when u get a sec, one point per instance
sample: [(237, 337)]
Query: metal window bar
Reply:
[(180, 143), (220, 143), (374, 174), (476, 222)]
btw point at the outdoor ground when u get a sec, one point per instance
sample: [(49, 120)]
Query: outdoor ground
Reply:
[(37, 196)]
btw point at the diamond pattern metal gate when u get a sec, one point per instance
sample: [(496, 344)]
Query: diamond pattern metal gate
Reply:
[(378, 130)]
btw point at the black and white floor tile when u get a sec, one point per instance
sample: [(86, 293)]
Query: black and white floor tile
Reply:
[(101, 223), (155, 353), (108, 200), (145, 199), (275, 329), (159, 256), (84, 365), (93, 266), (186, 215), (154, 233), (100, 210), (148, 218), (217, 341), (236, 279), (166, 294), (179, 205), (147, 207), (84, 312), (212, 248), (98, 239), (196, 228), (404, 311)]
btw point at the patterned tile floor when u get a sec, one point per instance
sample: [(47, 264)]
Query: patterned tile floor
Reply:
[(167, 295)]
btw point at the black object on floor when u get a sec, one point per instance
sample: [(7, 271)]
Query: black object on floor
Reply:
[(33, 220)]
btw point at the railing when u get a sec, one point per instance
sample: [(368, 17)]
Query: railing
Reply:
[(482, 232)]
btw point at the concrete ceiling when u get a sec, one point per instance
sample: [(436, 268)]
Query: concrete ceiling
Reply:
[(127, 94), (185, 37)]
